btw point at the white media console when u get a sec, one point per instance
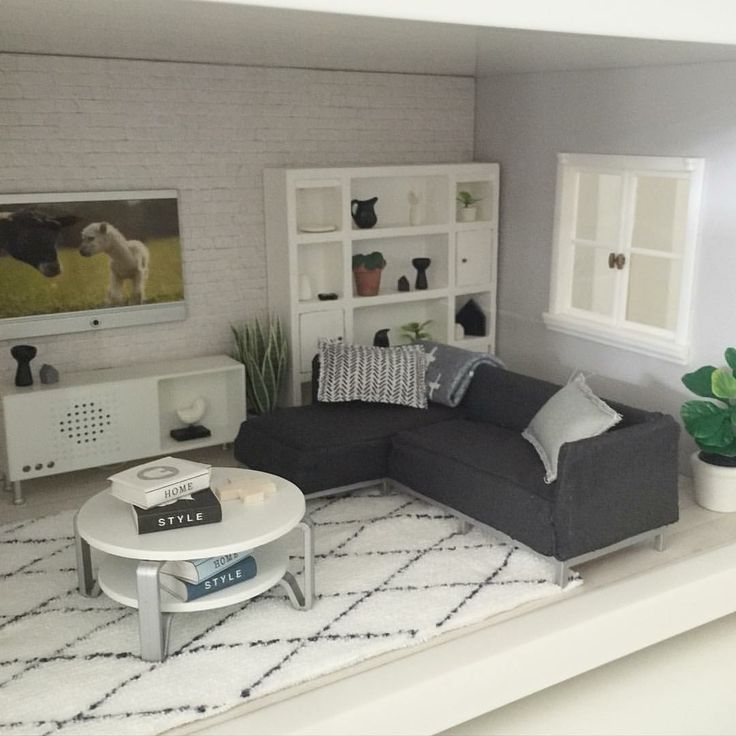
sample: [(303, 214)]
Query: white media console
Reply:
[(111, 415)]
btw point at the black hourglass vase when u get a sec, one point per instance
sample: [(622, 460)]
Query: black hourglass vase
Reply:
[(421, 265), (24, 354)]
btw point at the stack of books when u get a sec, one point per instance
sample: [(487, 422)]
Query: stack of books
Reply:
[(168, 493), (190, 579)]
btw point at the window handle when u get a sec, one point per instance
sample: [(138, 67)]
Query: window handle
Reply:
[(616, 260)]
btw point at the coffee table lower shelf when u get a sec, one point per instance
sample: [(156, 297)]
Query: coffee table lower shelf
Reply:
[(118, 579)]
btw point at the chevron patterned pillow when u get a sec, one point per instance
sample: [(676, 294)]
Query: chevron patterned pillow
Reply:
[(362, 373)]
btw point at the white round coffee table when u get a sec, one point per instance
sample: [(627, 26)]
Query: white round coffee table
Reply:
[(129, 569)]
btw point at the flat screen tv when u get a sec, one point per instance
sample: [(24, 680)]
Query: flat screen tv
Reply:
[(71, 262)]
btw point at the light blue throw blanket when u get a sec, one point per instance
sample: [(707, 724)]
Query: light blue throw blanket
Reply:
[(450, 371)]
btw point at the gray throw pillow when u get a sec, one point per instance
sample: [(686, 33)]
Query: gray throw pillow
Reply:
[(573, 413), (363, 373)]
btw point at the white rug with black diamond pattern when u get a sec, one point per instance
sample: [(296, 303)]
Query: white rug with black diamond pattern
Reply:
[(391, 571)]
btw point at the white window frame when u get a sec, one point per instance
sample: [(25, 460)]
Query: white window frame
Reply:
[(672, 345)]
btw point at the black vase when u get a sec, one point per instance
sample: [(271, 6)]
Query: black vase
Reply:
[(24, 354), (380, 339), (421, 265), (363, 212)]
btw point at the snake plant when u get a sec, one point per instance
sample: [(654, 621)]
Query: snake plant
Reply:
[(262, 349)]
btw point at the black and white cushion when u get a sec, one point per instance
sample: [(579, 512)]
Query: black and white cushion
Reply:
[(362, 373)]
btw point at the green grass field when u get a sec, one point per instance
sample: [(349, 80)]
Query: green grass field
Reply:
[(83, 282)]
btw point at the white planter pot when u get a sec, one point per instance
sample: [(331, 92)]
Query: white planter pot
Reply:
[(715, 485), (467, 214)]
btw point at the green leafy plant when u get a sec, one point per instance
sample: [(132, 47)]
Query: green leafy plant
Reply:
[(712, 424), (262, 349), (369, 262), (466, 199), (416, 331)]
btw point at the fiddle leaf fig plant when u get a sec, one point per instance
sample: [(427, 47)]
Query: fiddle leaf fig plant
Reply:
[(369, 262), (712, 423)]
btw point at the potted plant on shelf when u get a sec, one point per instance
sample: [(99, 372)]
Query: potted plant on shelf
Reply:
[(712, 424), (467, 212), (262, 349), (367, 272), (416, 331)]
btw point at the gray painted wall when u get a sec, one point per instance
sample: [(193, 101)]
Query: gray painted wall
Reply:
[(523, 121)]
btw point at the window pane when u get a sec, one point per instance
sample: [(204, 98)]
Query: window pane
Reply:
[(592, 282), (660, 213), (654, 291), (598, 207)]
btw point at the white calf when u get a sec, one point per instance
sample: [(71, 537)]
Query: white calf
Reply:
[(128, 259)]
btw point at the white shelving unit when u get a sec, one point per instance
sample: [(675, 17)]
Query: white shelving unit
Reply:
[(463, 254), (93, 418)]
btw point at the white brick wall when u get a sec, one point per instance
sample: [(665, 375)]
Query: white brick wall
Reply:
[(70, 124)]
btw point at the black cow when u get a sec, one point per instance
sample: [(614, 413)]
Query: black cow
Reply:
[(31, 237)]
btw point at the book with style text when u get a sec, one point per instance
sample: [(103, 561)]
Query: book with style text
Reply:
[(201, 507), (195, 571), (241, 571)]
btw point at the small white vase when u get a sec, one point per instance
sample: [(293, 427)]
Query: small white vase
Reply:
[(715, 485), (467, 214)]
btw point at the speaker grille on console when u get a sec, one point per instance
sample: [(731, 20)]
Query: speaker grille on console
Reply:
[(88, 426)]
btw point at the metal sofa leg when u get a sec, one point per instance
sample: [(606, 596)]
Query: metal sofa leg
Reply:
[(465, 526), (562, 573), (659, 542)]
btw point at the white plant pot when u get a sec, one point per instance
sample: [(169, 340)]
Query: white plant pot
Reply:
[(467, 214), (715, 485)]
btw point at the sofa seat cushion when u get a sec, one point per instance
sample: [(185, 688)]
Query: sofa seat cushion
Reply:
[(487, 472), (322, 446)]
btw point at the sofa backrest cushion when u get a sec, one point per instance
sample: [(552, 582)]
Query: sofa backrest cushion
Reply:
[(511, 400), (505, 398)]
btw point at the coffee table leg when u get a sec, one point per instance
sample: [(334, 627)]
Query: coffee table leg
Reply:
[(87, 584), (302, 600), (153, 625)]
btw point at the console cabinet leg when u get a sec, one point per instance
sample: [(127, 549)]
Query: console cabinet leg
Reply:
[(18, 499), (659, 542), (153, 625)]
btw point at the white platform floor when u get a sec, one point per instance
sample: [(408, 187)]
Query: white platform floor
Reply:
[(509, 665)]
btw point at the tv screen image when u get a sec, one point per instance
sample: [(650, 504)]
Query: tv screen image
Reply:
[(79, 261)]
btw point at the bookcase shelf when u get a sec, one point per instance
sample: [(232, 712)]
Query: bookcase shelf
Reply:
[(417, 217)]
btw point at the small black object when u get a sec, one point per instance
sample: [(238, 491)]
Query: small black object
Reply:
[(421, 265), (24, 354), (48, 374), (192, 432), (326, 296), (363, 213), (472, 318), (403, 284), (380, 339)]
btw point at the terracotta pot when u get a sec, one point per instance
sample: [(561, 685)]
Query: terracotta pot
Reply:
[(367, 282)]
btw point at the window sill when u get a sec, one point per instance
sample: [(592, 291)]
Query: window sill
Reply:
[(618, 337)]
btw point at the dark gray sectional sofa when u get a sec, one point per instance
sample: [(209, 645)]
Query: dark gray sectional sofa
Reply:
[(614, 489)]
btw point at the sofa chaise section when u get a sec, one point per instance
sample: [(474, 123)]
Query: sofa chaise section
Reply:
[(325, 446)]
